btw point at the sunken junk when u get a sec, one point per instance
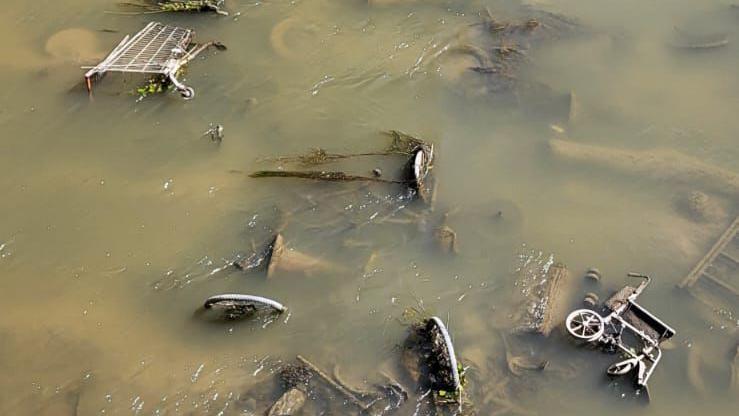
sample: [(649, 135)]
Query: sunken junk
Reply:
[(429, 357), (236, 306), (713, 279), (623, 316), (278, 258), (158, 50), (415, 173)]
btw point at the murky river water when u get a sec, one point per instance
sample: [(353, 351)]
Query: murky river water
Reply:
[(117, 214)]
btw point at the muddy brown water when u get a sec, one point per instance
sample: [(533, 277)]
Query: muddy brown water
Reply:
[(115, 212)]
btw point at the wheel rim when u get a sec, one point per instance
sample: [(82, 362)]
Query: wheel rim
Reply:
[(585, 324), (620, 369)]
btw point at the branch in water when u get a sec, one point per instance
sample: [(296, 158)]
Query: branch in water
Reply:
[(319, 156), (320, 176), (401, 144)]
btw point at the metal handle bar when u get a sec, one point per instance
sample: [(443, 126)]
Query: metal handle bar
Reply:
[(641, 287)]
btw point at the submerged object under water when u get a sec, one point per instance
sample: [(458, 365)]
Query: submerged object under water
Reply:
[(238, 305), (658, 164), (156, 49), (444, 360)]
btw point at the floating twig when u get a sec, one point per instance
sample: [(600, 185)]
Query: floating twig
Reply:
[(319, 156)]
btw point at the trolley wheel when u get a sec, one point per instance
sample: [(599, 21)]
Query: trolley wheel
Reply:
[(585, 325), (188, 93)]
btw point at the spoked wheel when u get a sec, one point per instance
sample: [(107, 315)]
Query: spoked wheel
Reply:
[(585, 325)]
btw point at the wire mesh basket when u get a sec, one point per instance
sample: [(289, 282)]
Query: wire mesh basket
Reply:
[(155, 49)]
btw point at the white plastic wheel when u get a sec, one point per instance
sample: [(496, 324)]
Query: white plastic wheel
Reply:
[(188, 93), (585, 325)]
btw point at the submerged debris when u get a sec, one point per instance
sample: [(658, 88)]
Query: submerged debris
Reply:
[(295, 375), (591, 299), (215, 131), (446, 237), (74, 44), (624, 315), (294, 379), (735, 370), (699, 207), (658, 164), (282, 259), (329, 176), (289, 404), (416, 173), (235, 306), (164, 6), (338, 387), (401, 144), (501, 49), (257, 259), (683, 39), (420, 163), (159, 50), (518, 364), (713, 280), (428, 355), (694, 368), (158, 84), (305, 379), (547, 300), (593, 274)]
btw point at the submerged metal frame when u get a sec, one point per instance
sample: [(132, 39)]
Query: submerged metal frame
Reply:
[(155, 49), (643, 361)]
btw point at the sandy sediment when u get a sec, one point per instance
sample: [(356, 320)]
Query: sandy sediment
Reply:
[(657, 164)]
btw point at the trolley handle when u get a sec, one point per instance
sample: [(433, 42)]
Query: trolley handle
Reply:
[(643, 284)]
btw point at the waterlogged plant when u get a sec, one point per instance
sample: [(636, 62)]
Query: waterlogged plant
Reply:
[(453, 397), (179, 6), (401, 144), (157, 84)]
